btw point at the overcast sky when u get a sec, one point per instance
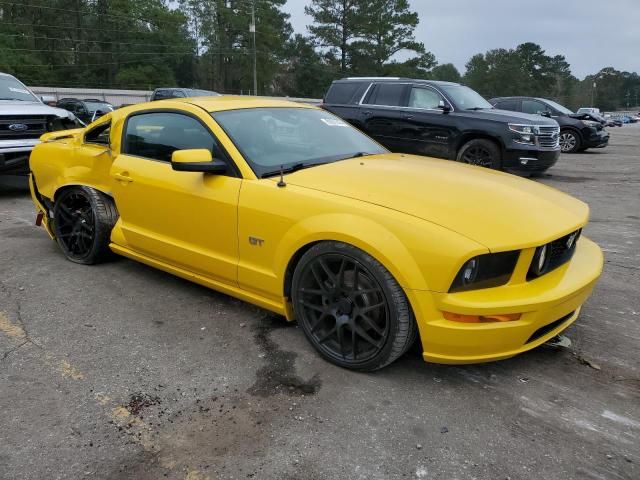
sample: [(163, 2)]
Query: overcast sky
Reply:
[(591, 34)]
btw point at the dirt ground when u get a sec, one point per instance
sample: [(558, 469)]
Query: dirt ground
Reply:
[(120, 371)]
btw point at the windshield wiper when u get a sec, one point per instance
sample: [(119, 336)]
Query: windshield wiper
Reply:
[(18, 99), (289, 169), (475, 109)]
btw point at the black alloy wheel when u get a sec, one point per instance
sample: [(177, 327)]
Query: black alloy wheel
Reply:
[(83, 219), (480, 152), (350, 307)]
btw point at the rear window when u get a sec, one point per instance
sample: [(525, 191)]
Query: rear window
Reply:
[(342, 93), (390, 94)]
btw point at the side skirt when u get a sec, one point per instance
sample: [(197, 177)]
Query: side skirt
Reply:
[(231, 290)]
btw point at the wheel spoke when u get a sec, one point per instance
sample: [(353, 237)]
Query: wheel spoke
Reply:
[(354, 350), (327, 334), (331, 276), (372, 325), (369, 308), (312, 291), (364, 335), (318, 321), (317, 277), (340, 277), (340, 334), (317, 308)]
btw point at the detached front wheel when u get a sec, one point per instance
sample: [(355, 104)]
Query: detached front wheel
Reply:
[(83, 219), (351, 308)]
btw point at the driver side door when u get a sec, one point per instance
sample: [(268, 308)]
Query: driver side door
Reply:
[(184, 219)]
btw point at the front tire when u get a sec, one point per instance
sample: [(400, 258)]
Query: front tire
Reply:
[(569, 141), (481, 152), (351, 309), (83, 220)]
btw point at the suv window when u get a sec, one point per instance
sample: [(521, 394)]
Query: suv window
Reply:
[(508, 105), (389, 94), (161, 94), (534, 107), (342, 93), (422, 97), (99, 135), (157, 135)]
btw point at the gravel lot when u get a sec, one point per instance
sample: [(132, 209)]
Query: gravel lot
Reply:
[(120, 371)]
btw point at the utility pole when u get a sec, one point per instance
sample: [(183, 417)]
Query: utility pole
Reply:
[(593, 90), (252, 29)]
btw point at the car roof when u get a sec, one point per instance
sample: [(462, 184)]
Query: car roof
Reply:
[(394, 80), (218, 104)]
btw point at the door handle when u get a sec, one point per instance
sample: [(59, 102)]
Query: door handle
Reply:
[(366, 112), (408, 117), (123, 177)]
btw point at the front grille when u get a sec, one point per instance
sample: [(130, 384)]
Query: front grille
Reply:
[(549, 137), (542, 331), (19, 127), (559, 252)]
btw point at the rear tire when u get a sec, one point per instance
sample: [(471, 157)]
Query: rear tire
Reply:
[(83, 220), (351, 309), (481, 152)]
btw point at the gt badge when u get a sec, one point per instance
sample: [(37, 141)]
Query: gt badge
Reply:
[(255, 241)]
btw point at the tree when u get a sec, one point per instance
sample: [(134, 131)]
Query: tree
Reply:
[(336, 24), (446, 72), (387, 29)]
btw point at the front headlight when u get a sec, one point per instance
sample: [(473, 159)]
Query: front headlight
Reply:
[(526, 133), (485, 271)]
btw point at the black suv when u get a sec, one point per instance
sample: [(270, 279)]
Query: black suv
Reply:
[(446, 120), (87, 110), (577, 131)]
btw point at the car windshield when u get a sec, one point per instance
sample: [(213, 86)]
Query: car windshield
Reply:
[(464, 98), (11, 89), (559, 107), (103, 106), (289, 138), (201, 93)]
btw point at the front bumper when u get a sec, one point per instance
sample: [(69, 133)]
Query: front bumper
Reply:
[(529, 159), (599, 139), (548, 305), (14, 160)]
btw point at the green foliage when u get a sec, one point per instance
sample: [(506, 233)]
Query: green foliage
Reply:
[(144, 44)]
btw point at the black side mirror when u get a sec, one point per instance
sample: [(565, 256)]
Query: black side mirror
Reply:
[(546, 113), (445, 107)]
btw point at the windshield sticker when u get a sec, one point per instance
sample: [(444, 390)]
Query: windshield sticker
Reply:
[(19, 90), (334, 122)]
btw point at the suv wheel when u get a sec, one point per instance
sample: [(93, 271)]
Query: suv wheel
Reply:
[(569, 141), (481, 152)]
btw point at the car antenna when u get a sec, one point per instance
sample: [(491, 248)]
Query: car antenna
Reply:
[(282, 183)]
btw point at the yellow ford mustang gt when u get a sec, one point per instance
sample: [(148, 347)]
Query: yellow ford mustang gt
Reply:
[(289, 208)]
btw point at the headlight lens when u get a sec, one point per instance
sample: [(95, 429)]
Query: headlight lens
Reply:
[(526, 133), (485, 271)]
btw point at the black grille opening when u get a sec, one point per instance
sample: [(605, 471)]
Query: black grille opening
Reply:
[(19, 127), (558, 253), (542, 331)]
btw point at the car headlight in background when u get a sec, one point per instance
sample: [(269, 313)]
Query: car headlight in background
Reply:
[(526, 133), (485, 271)]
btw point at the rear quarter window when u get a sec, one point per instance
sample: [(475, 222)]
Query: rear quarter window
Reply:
[(508, 105), (345, 93)]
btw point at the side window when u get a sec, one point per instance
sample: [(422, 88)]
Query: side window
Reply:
[(533, 106), (424, 98), (343, 93), (157, 135), (508, 105), (178, 94), (389, 94), (99, 135), (161, 94)]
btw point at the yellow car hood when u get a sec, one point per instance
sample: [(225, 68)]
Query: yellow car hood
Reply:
[(498, 210)]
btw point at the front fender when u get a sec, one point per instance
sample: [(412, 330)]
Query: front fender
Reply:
[(363, 233)]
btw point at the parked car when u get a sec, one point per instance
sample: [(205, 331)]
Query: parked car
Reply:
[(176, 92), (23, 119), (444, 120), (87, 110), (588, 110), (368, 250), (576, 132)]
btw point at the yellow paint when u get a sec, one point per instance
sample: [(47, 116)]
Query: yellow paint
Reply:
[(120, 413), (102, 399), (70, 371), (422, 218), (11, 329)]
